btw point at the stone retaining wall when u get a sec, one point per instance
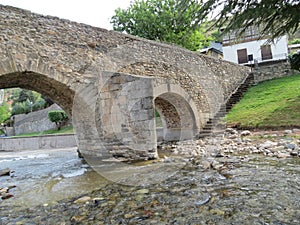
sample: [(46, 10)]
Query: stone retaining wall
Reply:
[(35, 121), (38, 142), (273, 70)]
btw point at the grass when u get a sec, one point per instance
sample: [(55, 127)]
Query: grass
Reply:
[(270, 104), (65, 130)]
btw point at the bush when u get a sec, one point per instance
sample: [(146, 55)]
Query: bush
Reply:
[(295, 61), (39, 104), (58, 117), (18, 108)]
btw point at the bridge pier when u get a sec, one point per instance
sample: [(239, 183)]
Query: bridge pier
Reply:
[(122, 119)]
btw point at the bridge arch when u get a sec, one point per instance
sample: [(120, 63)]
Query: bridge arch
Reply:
[(45, 81), (180, 118)]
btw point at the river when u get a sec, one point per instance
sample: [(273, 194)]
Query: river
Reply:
[(252, 189)]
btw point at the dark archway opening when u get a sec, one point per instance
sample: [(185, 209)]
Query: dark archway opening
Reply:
[(175, 120)]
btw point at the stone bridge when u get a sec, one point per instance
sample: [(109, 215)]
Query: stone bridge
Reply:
[(111, 83)]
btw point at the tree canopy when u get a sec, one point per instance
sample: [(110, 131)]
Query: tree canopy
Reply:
[(58, 117), (171, 21), (25, 101), (274, 17)]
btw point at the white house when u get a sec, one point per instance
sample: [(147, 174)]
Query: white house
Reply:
[(1, 96), (249, 48)]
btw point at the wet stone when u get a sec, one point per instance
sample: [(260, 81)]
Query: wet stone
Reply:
[(6, 196), (143, 191), (5, 172), (83, 199)]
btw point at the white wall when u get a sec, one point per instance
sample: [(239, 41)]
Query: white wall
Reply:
[(279, 50), (1, 96)]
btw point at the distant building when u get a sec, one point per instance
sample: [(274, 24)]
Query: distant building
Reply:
[(251, 48), (214, 50), (1, 96)]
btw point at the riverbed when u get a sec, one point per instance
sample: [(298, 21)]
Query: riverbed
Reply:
[(206, 189), (259, 191)]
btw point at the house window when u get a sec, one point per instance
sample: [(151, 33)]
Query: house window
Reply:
[(266, 52), (242, 56), (250, 57)]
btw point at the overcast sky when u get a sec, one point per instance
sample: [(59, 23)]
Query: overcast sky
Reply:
[(93, 12)]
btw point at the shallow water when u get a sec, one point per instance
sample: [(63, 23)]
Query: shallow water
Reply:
[(44, 177)]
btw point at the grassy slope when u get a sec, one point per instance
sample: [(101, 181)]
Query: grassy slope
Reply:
[(65, 130), (270, 104)]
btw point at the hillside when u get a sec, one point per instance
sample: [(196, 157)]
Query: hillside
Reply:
[(270, 104)]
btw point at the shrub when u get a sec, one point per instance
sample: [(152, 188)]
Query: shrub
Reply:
[(58, 117), (39, 104), (295, 61), (18, 108)]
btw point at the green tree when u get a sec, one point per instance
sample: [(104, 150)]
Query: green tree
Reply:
[(25, 101), (58, 117), (22, 107), (170, 21), (274, 17), (31, 96), (4, 112)]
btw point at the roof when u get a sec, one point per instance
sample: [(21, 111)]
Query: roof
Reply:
[(214, 46)]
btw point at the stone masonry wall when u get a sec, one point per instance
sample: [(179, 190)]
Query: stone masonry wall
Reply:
[(35, 121), (38, 142), (271, 71)]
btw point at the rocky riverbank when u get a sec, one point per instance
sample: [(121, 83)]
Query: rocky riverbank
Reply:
[(240, 178), (280, 144)]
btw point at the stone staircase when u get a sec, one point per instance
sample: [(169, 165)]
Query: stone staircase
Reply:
[(214, 125)]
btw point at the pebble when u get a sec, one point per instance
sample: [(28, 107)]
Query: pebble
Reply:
[(142, 191), (288, 131), (5, 172), (290, 146), (206, 165), (204, 201), (245, 133), (282, 155), (217, 212), (83, 199), (6, 196), (268, 144)]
